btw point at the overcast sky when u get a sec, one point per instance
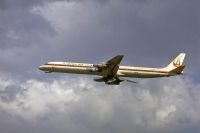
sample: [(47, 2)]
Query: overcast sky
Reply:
[(147, 32)]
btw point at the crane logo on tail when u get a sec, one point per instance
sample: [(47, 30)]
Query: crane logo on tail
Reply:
[(177, 63)]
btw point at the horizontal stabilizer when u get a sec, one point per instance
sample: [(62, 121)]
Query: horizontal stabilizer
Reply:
[(178, 70)]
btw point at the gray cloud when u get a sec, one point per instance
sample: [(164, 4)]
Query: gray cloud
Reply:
[(65, 106)]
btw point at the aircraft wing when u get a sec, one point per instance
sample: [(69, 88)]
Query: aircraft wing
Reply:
[(109, 70), (112, 66)]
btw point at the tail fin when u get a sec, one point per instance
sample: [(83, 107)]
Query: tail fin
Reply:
[(176, 63)]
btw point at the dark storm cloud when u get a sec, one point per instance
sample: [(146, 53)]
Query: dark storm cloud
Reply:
[(21, 31), (6, 4), (131, 28), (145, 30)]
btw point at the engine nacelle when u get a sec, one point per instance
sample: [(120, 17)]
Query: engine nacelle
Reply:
[(100, 65), (93, 69), (114, 81), (109, 80)]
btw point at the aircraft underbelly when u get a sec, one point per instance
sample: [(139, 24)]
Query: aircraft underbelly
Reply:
[(92, 71), (136, 74)]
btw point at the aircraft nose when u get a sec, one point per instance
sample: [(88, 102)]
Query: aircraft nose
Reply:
[(41, 67)]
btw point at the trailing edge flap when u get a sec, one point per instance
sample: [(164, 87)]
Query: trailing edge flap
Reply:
[(178, 70), (113, 65)]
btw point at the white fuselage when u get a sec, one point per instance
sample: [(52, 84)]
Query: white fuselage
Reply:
[(91, 69)]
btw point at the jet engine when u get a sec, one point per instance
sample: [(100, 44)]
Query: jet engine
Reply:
[(93, 69), (109, 81), (114, 81), (100, 65)]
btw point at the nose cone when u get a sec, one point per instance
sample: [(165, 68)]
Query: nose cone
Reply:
[(42, 67)]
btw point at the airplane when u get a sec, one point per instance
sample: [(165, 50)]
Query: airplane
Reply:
[(112, 74)]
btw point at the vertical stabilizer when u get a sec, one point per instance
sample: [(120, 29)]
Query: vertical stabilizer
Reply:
[(177, 62)]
